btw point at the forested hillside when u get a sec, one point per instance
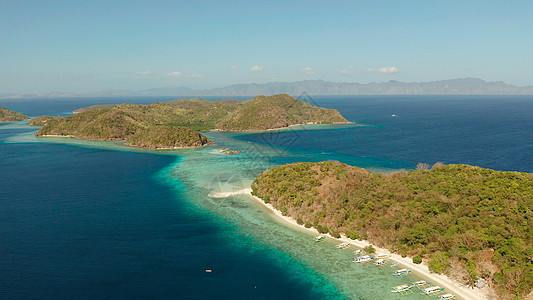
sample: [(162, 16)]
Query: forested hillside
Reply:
[(465, 221), (7, 115), (138, 123)]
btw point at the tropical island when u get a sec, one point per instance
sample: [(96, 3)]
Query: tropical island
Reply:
[(174, 124), (7, 115), (466, 222)]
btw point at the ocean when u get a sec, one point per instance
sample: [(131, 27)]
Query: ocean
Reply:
[(86, 220)]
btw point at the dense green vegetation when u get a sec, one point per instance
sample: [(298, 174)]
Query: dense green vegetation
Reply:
[(167, 137), (131, 125), (467, 222), (138, 124), (94, 107), (41, 121), (277, 111), (7, 115)]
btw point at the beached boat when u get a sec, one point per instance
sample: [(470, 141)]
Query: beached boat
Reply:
[(343, 245), (432, 290), (447, 297), (394, 264), (382, 256), (320, 238), (401, 272), (360, 251), (363, 258)]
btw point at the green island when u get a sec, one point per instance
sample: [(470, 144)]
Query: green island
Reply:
[(7, 115), (173, 124), (467, 222)]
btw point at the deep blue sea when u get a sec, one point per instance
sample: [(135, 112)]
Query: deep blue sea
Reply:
[(90, 222)]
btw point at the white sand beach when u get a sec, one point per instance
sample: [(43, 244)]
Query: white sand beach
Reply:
[(449, 284)]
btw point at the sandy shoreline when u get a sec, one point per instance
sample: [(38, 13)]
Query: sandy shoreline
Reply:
[(450, 285), (281, 128)]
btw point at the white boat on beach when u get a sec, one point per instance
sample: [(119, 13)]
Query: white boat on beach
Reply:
[(401, 272), (380, 262), (382, 256), (447, 297), (343, 245), (363, 258), (319, 238), (360, 251), (432, 290)]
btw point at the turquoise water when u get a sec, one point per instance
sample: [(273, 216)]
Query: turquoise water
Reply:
[(206, 170), (248, 228), (79, 221), (184, 231)]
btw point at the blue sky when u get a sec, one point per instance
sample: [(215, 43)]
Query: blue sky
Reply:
[(85, 46)]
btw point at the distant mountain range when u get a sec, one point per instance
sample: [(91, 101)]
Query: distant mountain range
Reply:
[(464, 86)]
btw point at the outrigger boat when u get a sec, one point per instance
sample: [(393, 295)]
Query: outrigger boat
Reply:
[(403, 289), (380, 262), (394, 264), (319, 238), (343, 245), (420, 284), (401, 272), (432, 290), (363, 258), (447, 297), (382, 256)]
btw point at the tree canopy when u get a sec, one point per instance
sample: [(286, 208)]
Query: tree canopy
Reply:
[(468, 222)]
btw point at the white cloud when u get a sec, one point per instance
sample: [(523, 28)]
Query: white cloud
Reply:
[(144, 73), (175, 74), (385, 70), (350, 67), (181, 75), (257, 68), (308, 71), (233, 67), (344, 72)]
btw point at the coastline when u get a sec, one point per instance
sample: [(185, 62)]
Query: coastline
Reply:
[(282, 128), (449, 284), (56, 135)]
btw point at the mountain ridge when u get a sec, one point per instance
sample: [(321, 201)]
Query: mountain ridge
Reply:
[(458, 86)]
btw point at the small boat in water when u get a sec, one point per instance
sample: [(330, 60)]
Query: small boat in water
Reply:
[(360, 251), (380, 262), (363, 258), (432, 290), (399, 288), (343, 245), (420, 283), (447, 297), (403, 289), (319, 238), (401, 272)]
